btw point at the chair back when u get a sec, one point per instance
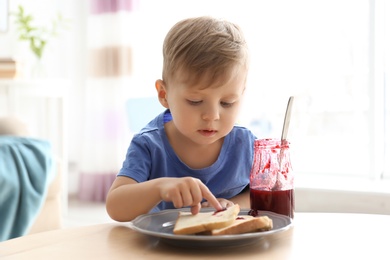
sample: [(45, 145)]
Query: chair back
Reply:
[(140, 111)]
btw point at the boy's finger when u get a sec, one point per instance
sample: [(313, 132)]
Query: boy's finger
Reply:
[(212, 200), (195, 209)]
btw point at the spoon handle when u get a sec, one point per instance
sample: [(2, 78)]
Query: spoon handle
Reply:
[(287, 117), (286, 125)]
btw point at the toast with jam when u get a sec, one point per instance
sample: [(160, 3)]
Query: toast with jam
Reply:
[(222, 222), (245, 224), (188, 223)]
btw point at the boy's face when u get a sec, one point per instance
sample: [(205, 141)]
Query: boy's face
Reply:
[(205, 114)]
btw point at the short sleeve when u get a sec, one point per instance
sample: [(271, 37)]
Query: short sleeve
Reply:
[(137, 164)]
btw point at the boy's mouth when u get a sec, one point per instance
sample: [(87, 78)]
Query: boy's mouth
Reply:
[(207, 133)]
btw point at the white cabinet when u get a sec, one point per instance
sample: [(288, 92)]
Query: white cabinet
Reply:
[(43, 105)]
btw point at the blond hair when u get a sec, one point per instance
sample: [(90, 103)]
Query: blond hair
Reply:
[(203, 47)]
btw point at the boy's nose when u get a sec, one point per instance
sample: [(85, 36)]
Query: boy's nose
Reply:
[(210, 114)]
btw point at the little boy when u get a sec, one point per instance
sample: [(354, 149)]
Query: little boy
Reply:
[(193, 154)]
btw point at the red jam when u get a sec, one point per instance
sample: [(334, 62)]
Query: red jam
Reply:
[(278, 201), (217, 211)]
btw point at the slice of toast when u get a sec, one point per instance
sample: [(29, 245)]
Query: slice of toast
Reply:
[(245, 224), (205, 221)]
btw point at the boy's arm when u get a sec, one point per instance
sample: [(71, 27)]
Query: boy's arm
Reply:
[(128, 199)]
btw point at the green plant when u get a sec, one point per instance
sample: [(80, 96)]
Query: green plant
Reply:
[(36, 36)]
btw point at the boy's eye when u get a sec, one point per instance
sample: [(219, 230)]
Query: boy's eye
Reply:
[(226, 104), (194, 102)]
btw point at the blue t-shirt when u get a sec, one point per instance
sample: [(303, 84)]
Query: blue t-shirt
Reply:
[(151, 156)]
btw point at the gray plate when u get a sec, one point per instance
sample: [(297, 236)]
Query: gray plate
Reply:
[(161, 225)]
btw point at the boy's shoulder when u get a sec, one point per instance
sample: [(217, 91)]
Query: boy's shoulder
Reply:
[(242, 130), (241, 134)]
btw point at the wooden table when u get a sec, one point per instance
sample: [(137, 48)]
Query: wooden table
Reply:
[(313, 236)]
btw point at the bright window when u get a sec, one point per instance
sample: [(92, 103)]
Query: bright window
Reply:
[(328, 54), (386, 99)]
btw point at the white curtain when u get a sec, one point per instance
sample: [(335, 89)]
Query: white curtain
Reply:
[(109, 61)]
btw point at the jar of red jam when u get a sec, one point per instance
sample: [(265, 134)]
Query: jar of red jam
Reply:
[(272, 178)]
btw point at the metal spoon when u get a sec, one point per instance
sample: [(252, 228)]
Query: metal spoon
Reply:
[(287, 117), (286, 125)]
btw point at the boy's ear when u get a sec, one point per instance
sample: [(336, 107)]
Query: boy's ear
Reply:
[(161, 93)]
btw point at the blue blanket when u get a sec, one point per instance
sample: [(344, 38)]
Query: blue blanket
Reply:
[(26, 170)]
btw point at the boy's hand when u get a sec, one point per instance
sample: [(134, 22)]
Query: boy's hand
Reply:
[(187, 191)]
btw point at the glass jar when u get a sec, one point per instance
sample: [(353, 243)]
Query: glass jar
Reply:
[(272, 178)]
